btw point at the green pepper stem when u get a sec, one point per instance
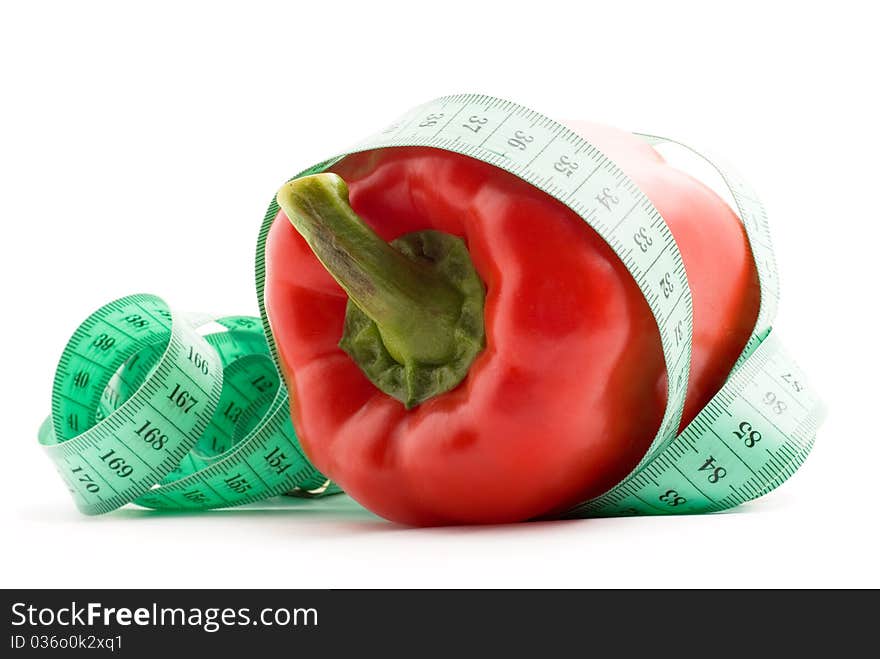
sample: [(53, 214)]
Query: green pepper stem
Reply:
[(415, 310)]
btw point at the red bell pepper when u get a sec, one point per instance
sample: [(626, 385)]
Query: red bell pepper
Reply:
[(501, 363)]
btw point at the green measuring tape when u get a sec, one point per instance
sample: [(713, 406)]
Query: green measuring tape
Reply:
[(148, 409)]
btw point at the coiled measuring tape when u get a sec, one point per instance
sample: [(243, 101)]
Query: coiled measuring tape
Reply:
[(145, 409), (231, 441)]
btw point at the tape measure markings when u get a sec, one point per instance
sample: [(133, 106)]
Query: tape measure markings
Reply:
[(85, 458), (170, 411), (768, 468), (753, 216)]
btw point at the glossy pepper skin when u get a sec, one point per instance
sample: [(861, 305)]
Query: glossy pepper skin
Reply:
[(571, 386)]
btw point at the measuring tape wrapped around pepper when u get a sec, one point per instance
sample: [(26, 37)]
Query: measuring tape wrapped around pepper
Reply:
[(497, 361)]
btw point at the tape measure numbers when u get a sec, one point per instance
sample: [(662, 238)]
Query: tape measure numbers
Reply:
[(224, 449), (146, 409)]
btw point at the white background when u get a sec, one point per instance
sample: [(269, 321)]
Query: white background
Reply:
[(141, 142)]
